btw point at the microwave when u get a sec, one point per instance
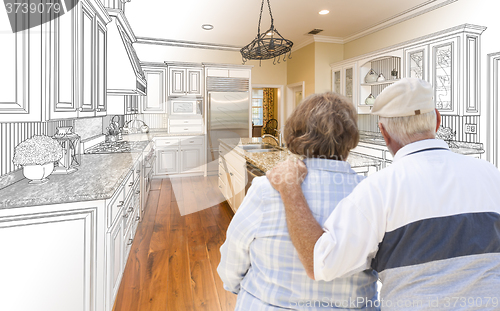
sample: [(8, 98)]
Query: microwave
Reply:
[(185, 106)]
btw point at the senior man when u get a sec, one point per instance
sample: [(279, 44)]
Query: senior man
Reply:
[(429, 223)]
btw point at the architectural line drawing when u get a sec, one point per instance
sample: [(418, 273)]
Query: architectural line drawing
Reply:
[(118, 99)]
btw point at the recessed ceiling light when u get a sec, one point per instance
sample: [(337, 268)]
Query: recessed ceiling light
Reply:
[(324, 12), (207, 26)]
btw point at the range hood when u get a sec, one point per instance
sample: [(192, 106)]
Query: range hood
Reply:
[(125, 75)]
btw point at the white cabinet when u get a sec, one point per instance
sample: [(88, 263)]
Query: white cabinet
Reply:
[(232, 176), (155, 99), (123, 104), (167, 160), (53, 254), (114, 241), (345, 81), (79, 53), (23, 73), (180, 156), (185, 81), (191, 159), (451, 63)]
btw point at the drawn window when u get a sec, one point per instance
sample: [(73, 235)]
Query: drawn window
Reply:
[(257, 107)]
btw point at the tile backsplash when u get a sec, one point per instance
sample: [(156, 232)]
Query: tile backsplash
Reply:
[(88, 127), (11, 134)]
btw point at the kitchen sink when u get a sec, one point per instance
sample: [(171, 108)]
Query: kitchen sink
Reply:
[(259, 147)]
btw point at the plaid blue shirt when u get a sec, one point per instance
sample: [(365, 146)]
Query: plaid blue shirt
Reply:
[(259, 261)]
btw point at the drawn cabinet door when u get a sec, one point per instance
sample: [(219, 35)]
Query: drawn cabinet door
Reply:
[(444, 75), (154, 102), (177, 81), (87, 62), (114, 262), (167, 161), (21, 77), (101, 69), (416, 62), (194, 85), (191, 159), (49, 257), (64, 57)]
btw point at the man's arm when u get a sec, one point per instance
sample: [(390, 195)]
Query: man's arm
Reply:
[(304, 230)]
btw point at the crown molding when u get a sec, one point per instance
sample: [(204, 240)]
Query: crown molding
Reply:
[(327, 39), (426, 7), (187, 44)]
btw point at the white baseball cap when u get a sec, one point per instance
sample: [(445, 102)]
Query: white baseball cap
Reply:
[(407, 97)]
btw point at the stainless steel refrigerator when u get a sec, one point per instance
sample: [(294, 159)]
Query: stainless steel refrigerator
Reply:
[(228, 117)]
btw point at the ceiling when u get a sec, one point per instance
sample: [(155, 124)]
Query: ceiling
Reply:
[(235, 21)]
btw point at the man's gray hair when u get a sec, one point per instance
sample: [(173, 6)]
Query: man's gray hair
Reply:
[(405, 130)]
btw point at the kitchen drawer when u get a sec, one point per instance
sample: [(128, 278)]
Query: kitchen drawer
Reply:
[(192, 141), (137, 171), (164, 142), (186, 122), (115, 206), (233, 158), (129, 235), (129, 184), (186, 128), (127, 213)]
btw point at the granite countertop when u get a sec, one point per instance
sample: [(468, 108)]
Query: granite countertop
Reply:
[(464, 148), (267, 160), (97, 178)]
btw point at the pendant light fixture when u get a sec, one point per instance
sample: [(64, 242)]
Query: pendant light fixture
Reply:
[(268, 44)]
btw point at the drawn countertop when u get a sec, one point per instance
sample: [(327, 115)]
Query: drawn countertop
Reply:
[(464, 148), (97, 178), (267, 160)]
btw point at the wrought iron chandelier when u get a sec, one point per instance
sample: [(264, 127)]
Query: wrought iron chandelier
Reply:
[(267, 47)]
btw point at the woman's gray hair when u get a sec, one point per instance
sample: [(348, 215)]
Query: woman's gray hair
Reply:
[(405, 130)]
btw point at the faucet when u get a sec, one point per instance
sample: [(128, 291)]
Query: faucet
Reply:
[(277, 140)]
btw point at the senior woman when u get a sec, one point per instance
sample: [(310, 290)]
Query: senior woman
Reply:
[(258, 259)]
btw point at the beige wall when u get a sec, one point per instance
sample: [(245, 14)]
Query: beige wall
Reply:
[(301, 68), (478, 12), (324, 55), (265, 74)]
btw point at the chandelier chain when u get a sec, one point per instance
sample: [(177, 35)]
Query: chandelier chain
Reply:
[(260, 16)]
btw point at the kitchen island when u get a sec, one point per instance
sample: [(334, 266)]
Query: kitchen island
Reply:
[(234, 160)]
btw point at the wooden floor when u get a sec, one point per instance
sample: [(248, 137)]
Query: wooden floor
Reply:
[(173, 261)]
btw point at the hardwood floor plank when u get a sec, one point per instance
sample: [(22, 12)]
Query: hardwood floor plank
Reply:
[(179, 294), (156, 184), (202, 281), (215, 239)]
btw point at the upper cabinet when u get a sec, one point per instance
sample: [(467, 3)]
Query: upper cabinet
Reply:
[(450, 61), (345, 80), (78, 53), (155, 99), (184, 80), (22, 97)]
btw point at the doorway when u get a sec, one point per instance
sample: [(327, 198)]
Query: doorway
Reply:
[(295, 94), (267, 103)]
